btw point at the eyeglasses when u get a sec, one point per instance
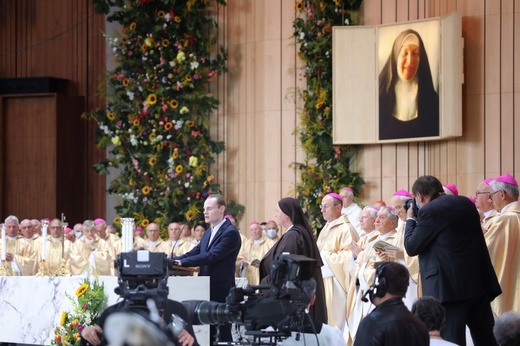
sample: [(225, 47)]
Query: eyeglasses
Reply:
[(326, 206), (493, 193), (481, 193), (55, 228)]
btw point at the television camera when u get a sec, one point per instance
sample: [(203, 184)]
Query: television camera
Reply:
[(283, 308)]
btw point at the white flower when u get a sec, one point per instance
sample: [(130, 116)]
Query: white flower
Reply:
[(186, 185), (130, 95), (178, 124), (194, 65), (302, 35), (347, 22), (133, 140)]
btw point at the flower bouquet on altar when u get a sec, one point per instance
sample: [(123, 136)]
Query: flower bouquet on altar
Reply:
[(88, 302)]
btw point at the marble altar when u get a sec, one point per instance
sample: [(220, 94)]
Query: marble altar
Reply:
[(30, 307)]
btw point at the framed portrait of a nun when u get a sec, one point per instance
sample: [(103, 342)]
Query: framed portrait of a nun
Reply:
[(398, 82)]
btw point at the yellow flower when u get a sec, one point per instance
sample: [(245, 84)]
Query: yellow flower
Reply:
[(174, 103), (319, 105), (151, 99), (75, 323), (152, 161), (117, 220), (175, 153), (161, 14), (193, 161), (111, 116), (177, 19), (178, 169), (299, 6), (124, 40), (136, 122), (149, 41), (168, 126), (210, 177), (146, 190), (165, 43), (145, 222), (188, 78), (116, 140), (189, 215), (63, 318), (190, 123), (81, 290), (133, 26), (126, 82), (77, 336), (338, 2), (144, 47)]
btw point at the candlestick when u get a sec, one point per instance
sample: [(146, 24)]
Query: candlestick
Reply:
[(45, 225), (4, 242), (128, 231)]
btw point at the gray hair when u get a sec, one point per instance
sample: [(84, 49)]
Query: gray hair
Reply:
[(12, 218), (391, 214), (507, 329), (89, 224), (371, 211), (511, 190)]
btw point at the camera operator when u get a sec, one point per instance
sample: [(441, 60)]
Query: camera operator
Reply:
[(93, 335), (454, 261)]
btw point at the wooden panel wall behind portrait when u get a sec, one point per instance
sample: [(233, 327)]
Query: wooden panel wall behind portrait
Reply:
[(59, 38), (491, 102)]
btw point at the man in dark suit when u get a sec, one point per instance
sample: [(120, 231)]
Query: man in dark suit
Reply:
[(454, 261), (216, 255)]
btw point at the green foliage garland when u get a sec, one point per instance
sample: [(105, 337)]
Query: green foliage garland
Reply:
[(158, 107), (327, 166)]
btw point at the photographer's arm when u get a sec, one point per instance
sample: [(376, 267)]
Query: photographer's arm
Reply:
[(419, 234)]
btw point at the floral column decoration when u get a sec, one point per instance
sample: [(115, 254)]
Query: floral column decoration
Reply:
[(326, 167), (158, 107)]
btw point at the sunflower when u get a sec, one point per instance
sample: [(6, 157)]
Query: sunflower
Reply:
[(126, 82), (174, 103), (63, 318), (144, 47), (177, 19), (168, 126), (190, 123), (161, 14), (131, 182), (145, 222), (178, 169), (299, 6), (82, 290), (165, 43), (133, 26), (319, 105), (111, 116), (124, 40), (190, 215), (136, 122), (175, 154), (146, 190), (152, 161), (151, 99), (117, 220), (188, 78)]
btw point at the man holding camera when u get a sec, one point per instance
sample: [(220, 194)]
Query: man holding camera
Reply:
[(454, 261)]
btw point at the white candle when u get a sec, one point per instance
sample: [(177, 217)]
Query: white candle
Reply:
[(4, 243), (44, 242), (131, 235), (124, 242)]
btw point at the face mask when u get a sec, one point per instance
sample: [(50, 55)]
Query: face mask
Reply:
[(271, 233), (79, 235)]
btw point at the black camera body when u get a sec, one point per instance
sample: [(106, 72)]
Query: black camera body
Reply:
[(411, 203), (283, 309)]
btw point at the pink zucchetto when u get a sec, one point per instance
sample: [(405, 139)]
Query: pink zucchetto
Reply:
[(450, 189), (68, 230), (335, 196), (488, 180), (346, 188), (508, 179), (254, 223), (229, 216), (98, 221), (403, 193), (472, 200), (139, 229)]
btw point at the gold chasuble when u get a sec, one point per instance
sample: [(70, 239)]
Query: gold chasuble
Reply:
[(503, 242), (363, 271), (334, 245), (24, 257), (54, 254), (159, 246), (96, 255), (250, 252), (185, 245)]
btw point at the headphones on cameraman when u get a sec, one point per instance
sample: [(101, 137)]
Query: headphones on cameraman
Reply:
[(379, 287)]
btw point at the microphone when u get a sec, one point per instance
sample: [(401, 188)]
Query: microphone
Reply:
[(367, 293)]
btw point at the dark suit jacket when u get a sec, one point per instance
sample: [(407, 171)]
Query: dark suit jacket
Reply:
[(453, 258), (217, 261)]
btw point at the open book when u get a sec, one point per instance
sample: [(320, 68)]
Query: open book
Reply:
[(383, 246)]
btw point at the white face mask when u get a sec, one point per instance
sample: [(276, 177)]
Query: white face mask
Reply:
[(79, 235), (271, 233)]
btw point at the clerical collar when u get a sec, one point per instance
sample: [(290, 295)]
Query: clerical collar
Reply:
[(257, 241), (384, 236), (56, 240), (28, 239), (11, 238), (152, 243)]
